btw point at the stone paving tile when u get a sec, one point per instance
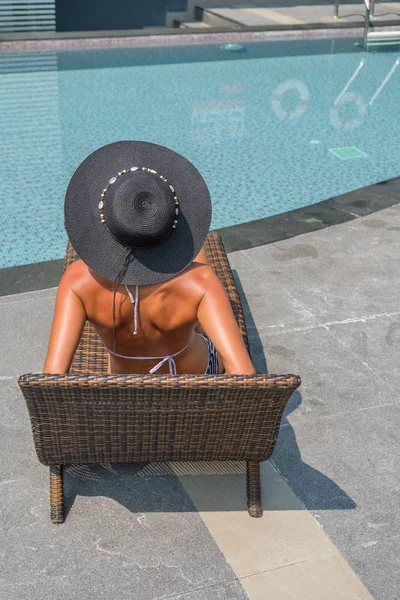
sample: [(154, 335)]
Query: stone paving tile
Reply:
[(230, 591), (365, 449), (242, 261), (327, 578), (24, 331), (344, 468), (334, 243), (372, 237), (344, 208), (335, 274), (131, 534), (14, 414), (267, 306), (379, 562), (367, 200), (127, 534), (252, 14), (25, 296), (36, 276), (339, 445), (286, 534), (337, 450), (376, 342), (333, 379)]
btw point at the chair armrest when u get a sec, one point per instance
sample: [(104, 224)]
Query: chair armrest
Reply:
[(218, 260)]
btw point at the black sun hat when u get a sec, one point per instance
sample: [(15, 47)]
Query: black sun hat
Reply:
[(137, 200)]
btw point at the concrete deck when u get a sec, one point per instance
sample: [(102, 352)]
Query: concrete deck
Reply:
[(232, 15), (268, 14), (325, 305)]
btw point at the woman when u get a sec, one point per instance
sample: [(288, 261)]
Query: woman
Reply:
[(138, 215)]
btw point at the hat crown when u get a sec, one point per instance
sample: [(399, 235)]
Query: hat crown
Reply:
[(139, 209), (169, 198)]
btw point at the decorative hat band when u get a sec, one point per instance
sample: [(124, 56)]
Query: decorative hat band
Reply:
[(121, 174)]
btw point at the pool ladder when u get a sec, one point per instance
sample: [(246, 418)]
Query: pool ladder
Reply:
[(377, 38)]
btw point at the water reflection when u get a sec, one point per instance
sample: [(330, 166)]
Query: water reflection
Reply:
[(300, 106), (249, 122)]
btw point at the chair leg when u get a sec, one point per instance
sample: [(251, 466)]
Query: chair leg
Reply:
[(253, 488), (56, 494)]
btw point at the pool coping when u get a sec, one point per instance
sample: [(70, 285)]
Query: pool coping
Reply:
[(333, 211), (78, 40)]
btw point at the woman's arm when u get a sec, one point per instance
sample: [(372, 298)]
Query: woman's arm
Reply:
[(219, 324), (68, 322)]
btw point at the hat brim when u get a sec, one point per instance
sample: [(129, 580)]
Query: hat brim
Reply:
[(100, 250)]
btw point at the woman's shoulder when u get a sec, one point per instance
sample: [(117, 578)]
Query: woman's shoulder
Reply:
[(75, 271), (195, 271), (197, 276), (78, 277)]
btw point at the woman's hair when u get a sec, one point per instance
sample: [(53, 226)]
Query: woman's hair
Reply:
[(117, 281)]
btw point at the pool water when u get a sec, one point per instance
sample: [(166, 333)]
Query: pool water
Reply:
[(275, 127)]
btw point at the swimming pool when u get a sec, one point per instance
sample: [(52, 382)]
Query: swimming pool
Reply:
[(269, 127)]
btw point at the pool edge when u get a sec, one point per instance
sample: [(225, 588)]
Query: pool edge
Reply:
[(130, 39), (333, 211)]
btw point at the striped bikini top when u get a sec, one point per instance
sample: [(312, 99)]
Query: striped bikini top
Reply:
[(169, 358)]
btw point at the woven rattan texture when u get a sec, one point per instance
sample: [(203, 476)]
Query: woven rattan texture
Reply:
[(253, 488), (128, 418), (91, 356), (56, 494), (88, 416)]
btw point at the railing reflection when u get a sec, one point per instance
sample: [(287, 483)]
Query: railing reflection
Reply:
[(336, 9), (345, 99)]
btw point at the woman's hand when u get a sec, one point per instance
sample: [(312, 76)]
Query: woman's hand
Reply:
[(68, 322)]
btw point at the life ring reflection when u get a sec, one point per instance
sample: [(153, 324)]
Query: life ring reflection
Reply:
[(341, 124), (302, 103)]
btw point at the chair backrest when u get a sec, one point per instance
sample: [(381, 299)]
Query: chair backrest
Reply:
[(128, 418), (88, 416)]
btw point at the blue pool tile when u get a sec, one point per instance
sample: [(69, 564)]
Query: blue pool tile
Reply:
[(245, 120)]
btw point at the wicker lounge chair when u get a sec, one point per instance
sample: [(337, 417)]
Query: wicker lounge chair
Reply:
[(88, 416)]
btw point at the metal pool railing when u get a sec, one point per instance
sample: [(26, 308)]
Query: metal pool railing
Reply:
[(336, 8), (379, 37), (368, 6)]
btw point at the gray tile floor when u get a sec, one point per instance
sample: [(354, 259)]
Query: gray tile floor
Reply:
[(325, 305), (264, 13), (128, 534)]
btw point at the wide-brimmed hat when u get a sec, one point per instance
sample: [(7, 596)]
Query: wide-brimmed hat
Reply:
[(142, 200)]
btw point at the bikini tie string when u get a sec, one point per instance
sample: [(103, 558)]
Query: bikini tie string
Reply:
[(171, 365)]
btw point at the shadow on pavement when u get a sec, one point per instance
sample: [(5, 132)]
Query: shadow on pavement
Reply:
[(315, 490)]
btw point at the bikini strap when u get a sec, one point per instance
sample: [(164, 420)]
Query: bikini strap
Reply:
[(135, 302), (169, 358)]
